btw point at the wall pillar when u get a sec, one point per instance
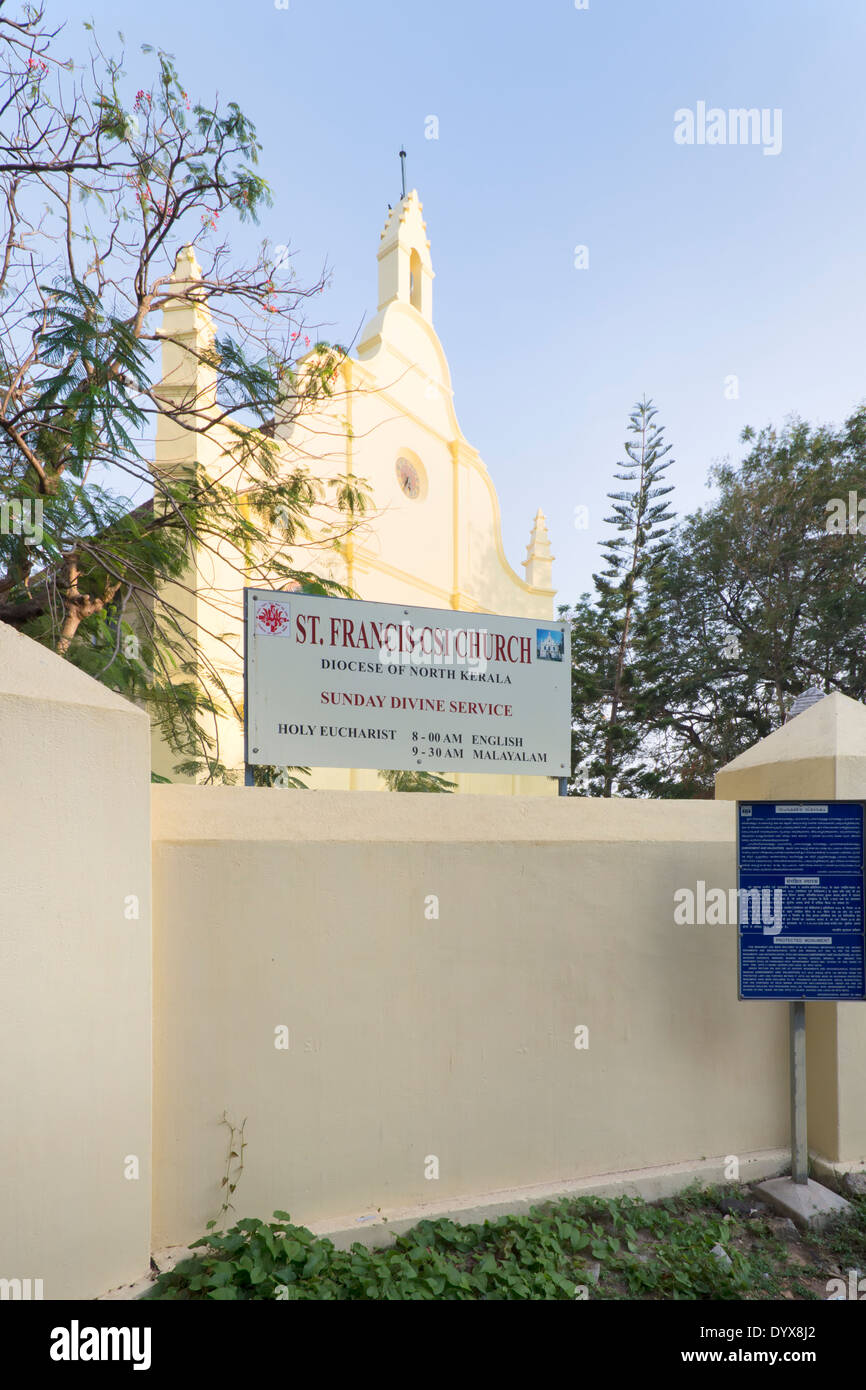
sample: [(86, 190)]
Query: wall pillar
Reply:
[(819, 754), (75, 978)]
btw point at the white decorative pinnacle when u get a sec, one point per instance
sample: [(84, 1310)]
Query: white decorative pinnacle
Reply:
[(539, 559), (186, 266), (539, 541)]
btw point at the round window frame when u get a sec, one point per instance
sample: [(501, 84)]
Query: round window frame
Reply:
[(412, 460)]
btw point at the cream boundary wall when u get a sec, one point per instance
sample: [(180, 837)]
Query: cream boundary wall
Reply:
[(75, 977), (411, 1035), (454, 1037)]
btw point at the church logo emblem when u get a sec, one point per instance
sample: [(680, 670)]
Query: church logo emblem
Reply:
[(549, 646), (273, 620)]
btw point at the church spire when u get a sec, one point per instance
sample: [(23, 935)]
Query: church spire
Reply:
[(405, 267), (539, 561)]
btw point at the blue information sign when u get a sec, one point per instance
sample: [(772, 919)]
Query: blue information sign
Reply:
[(801, 900)]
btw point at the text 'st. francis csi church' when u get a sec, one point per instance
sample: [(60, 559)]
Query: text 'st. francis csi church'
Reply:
[(433, 538)]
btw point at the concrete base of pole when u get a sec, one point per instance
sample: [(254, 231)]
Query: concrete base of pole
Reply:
[(809, 1205)]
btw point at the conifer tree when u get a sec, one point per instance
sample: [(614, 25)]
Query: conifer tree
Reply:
[(616, 634)]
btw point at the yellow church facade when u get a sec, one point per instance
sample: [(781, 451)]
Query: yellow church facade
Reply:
[(432, 537)]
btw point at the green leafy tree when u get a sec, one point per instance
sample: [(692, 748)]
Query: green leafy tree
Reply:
[(763, 594), (104, 181), (417, 781), (266, 775)]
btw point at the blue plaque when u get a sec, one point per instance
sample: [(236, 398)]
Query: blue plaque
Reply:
[(802, 933)]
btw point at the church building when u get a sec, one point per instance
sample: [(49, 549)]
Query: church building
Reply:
[(433, 537)]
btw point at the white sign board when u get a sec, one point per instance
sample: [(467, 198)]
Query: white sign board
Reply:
[(346, 683)]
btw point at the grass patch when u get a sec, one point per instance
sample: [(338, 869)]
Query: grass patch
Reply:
[(585, 1247)]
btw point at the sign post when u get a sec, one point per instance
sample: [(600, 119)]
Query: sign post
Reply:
[(802, 935), (799, 1138)]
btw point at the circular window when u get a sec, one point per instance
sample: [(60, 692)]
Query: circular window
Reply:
[(409, 478)]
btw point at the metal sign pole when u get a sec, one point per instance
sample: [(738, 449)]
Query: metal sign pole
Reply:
[(799, 1141)]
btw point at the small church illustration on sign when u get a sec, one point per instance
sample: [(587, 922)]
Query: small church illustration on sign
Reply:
[(549, 645), (434, 537)]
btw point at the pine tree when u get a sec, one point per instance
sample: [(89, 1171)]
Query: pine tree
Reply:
[(620, 631)]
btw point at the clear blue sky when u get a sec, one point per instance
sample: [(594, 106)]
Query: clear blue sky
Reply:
[(556, 129)]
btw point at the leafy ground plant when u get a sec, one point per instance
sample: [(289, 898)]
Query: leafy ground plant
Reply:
[(719, 1243)]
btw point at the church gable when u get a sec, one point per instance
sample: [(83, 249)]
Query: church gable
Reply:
[(434, 535)]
